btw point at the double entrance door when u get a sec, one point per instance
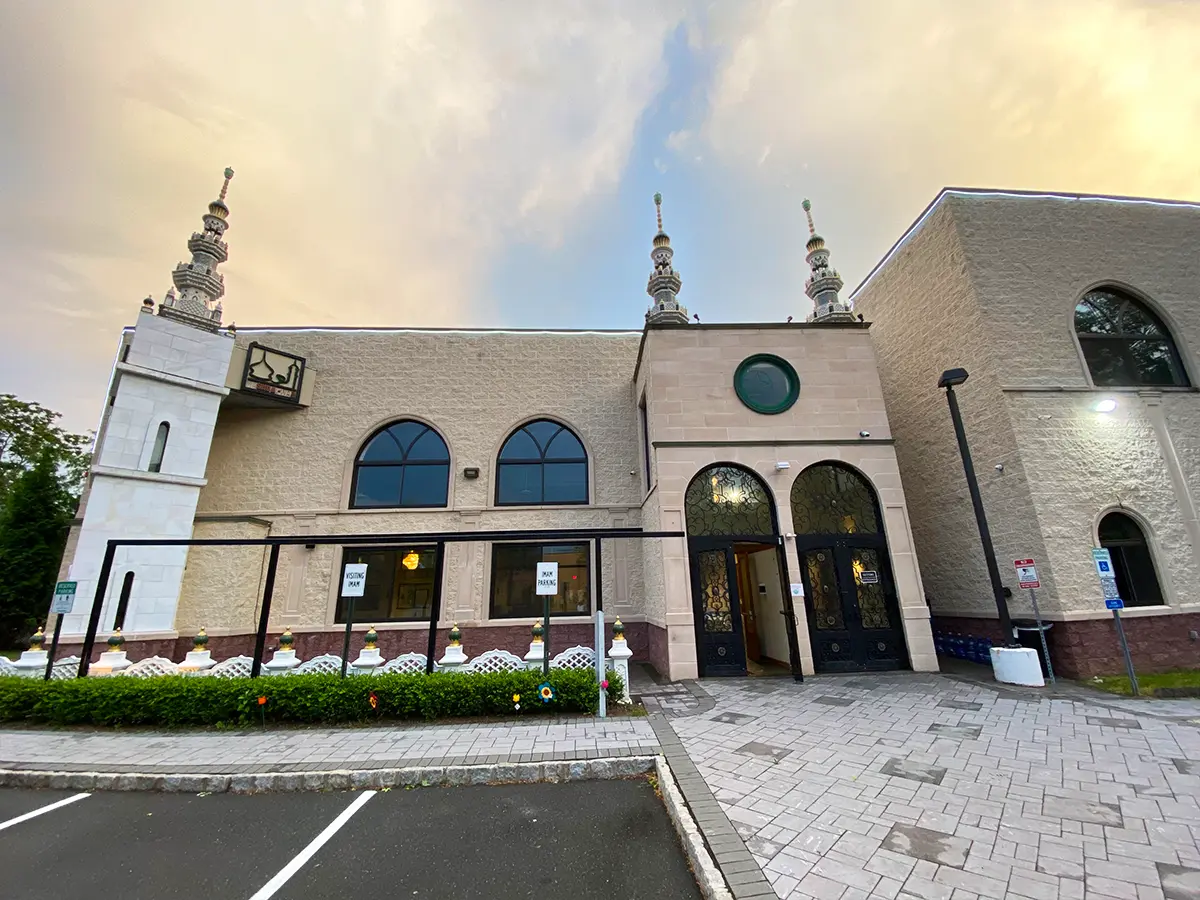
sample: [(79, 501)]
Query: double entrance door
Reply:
[(850, 597)]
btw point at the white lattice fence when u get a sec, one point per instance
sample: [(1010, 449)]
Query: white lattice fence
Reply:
[(325, 664), (408, 664), (6, 666), (577, 657), (234, 667), (494, 661), (150, 667)]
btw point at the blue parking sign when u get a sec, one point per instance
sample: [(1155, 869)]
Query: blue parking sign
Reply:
[(1114, 603)]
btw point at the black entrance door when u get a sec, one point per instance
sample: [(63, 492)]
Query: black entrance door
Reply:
[(853, 616), (716, 608)]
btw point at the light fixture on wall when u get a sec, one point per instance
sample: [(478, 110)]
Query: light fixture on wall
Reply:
[(782, 465), (470, 472), (1107, 405), (864, 434), (412, 560)]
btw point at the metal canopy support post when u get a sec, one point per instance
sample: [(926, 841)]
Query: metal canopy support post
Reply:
[(600, 668), (599, 579), (985, 535), (89, 639), (264, 614), (1037, 619), (435, 608), (53, 646)]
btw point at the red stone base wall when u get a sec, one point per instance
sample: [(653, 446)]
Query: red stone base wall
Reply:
[(658, 655), (513, 638), (1082, 649)]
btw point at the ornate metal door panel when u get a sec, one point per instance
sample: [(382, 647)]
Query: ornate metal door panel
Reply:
[(716, 610), (853, 616)]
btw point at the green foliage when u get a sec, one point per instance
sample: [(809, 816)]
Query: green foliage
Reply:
[(313, 699), (33, 531), (1147, 684), (27, 433)]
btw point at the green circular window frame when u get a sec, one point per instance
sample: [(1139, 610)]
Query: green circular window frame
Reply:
[(793, 393)]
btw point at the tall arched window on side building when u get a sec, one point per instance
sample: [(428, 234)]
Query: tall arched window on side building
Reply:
[(1125, 343), (1133, 564)]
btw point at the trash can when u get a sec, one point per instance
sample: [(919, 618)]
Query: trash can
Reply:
[(1027, 636)]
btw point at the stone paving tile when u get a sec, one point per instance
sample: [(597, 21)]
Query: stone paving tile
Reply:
[(926, 787)]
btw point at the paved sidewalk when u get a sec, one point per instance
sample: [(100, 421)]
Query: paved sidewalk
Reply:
[(317, 749), (923, 786)]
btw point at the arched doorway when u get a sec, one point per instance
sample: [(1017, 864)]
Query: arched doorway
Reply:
[(850, 596), (1137, 581), (737, 581)]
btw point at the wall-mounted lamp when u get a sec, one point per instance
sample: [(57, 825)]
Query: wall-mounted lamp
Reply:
[(1107, 405), (864, 434), (310, 546), (471, 472), (999, 467), (782, 465)]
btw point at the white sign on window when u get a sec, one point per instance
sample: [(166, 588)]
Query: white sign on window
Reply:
[(547, 579), (354, 580), (797, 590)]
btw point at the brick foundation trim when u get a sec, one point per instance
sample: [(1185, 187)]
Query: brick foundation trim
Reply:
[(514, 638), (1089, 647)]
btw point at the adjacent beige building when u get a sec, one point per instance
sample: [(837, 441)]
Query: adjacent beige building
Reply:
[(762, 451), (1079, 322)]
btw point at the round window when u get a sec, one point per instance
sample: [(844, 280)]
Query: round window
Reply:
[(766, 383)]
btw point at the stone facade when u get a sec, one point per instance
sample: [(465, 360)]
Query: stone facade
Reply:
[(990, 282)]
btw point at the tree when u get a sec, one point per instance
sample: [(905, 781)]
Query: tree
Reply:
[(34, 520), (27, 432)]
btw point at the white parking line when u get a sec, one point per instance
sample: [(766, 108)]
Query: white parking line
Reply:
[(37, 812), (271, 887)]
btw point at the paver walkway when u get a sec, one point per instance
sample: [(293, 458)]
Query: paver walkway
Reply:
[(313, 749), (922, 786)]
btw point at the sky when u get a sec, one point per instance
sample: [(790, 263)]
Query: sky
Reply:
[(468, 163)]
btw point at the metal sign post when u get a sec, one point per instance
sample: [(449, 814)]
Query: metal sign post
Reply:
[(1112, 600), (1027, 578), (600, 667), (547, 587), (354, 584), (63, 603)]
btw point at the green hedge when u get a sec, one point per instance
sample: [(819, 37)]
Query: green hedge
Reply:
[(177, 700)]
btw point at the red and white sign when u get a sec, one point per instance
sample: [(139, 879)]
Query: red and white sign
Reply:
[(1027, 575)]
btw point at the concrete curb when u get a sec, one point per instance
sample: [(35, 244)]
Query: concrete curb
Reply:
[(708, 876), (341, 780)]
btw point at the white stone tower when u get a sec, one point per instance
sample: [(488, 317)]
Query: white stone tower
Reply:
[(664, 281), (153, 443), (824, 283)]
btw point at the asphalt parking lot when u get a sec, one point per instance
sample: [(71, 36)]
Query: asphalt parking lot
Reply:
[(598, 839)]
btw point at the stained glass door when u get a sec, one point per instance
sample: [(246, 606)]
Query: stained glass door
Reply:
[(717, 611), (853, 615)]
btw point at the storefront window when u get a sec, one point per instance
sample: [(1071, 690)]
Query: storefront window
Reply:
[(514, 573), (399, 587)]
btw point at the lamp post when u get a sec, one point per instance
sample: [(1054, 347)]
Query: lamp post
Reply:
[(950, 378)]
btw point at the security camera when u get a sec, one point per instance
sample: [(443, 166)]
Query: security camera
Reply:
[(864, 434), (999, 467)]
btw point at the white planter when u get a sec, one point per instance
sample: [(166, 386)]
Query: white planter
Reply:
[(1017, 665)]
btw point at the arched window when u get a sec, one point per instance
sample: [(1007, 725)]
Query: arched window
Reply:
[(405, 464), (160, 447), (542, 462), (833, 499), (1124, 343), (1137, 582), (727, 500)]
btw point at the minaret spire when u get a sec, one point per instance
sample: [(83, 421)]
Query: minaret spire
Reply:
[(664, 282), (824, 283), (200, 286)]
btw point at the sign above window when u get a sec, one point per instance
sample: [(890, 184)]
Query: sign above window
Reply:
[(767, 384), (273, 373)]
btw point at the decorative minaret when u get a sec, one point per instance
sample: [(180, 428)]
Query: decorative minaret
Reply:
[(152, 446), (824, 283), (199, 283), (664, 281)]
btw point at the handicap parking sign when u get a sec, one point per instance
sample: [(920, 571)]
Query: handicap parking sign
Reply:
[(1103, 565)]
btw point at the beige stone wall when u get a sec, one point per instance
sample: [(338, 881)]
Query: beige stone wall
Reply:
[(991, 284), (696, 420), (292, 469)]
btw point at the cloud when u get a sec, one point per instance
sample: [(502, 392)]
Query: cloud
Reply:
[(386, 154), (887, 103)]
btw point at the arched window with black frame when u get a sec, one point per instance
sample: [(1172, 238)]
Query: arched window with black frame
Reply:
[(404, 464), (542, 463), (1125, 343), (1133, 564)]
